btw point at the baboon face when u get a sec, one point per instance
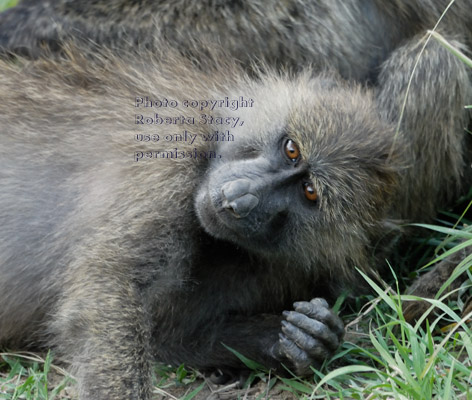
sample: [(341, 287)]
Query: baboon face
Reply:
[(318, 163), (252, 198)]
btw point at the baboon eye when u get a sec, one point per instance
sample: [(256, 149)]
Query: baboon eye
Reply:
[(310, 192), (291, 150)]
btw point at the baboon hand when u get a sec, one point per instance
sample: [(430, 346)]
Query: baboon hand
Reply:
[(310, 334)]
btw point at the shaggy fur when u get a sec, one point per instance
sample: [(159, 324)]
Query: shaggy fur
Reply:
[(353, 36)]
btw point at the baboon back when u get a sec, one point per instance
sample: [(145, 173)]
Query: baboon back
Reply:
[(353, 37)]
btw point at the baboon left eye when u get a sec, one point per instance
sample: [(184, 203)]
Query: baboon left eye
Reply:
[(291, 150), (310, 192)]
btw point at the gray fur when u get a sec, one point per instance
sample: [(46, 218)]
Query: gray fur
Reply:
[(354, 36)]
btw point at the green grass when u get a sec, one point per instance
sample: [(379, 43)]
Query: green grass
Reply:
[(4, 4), (28, 376), (384, 357)]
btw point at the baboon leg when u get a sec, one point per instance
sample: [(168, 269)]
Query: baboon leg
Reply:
[(432, 131), (432, 123), (102, 328), (428, 285)]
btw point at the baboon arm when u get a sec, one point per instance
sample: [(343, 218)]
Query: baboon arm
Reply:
[(429, 112), (296, 340), (103, 328), (425, 95)]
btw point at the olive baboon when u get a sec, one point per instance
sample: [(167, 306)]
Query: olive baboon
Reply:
[(353, 36), (116, 252)]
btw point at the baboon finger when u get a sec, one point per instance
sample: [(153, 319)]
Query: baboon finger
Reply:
[(312, 327)]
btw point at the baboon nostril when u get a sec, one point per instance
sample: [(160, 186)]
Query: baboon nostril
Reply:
[(241, 206), (237, 197)]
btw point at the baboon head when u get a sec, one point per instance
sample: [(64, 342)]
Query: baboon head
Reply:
[(306, 170)]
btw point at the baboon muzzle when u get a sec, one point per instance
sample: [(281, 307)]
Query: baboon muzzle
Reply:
[(238, 199)]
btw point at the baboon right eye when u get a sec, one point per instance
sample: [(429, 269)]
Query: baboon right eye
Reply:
[(310, 191), (291, 150)]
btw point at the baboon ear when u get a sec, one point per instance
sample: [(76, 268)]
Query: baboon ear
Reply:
[(385, 170)]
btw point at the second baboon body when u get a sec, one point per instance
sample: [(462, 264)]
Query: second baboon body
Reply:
[(355, 37)]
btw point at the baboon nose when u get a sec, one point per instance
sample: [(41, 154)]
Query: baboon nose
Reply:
[(237, 198), (242, 206)]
